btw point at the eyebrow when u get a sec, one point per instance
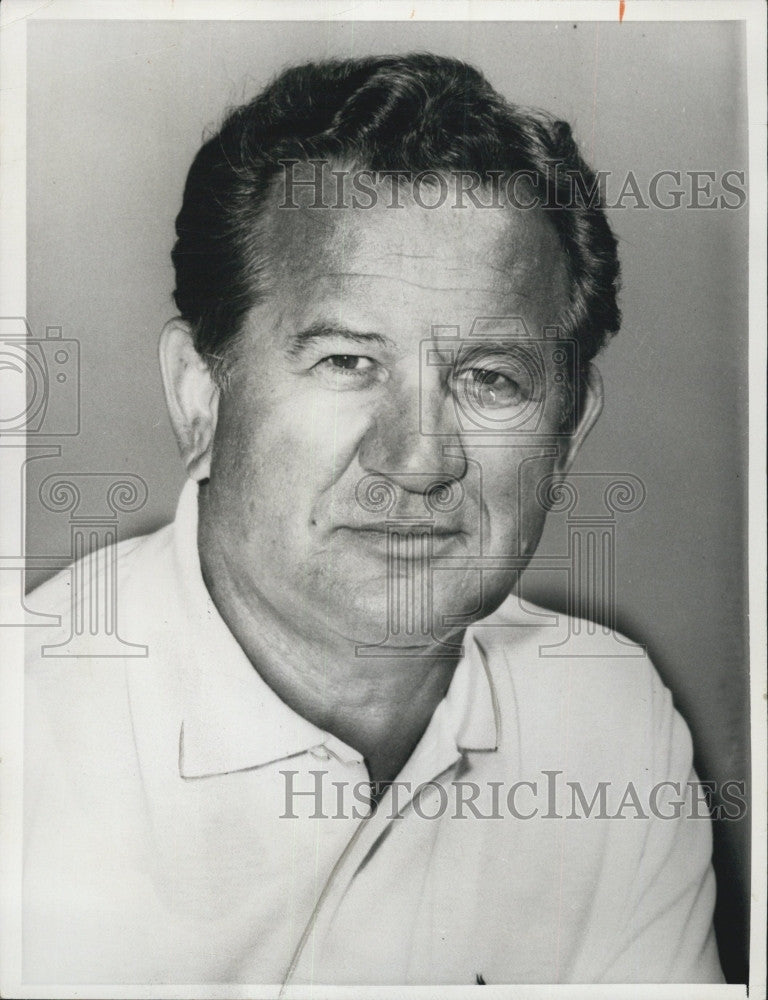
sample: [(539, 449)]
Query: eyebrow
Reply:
[(325, 331)]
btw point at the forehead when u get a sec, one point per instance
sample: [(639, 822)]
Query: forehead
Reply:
[(442, 264)]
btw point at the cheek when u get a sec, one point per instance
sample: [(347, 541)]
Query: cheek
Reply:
[(532, 514), (268, 448), (515, 516)]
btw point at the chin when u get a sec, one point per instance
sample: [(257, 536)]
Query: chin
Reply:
[(405, 617)]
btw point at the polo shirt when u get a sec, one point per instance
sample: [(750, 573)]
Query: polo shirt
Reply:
[(183, 825)]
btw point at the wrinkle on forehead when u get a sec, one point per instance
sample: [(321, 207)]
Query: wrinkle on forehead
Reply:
[(501, 251), (471, 287), (436, 257)]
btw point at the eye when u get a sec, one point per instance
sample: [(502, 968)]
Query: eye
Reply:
[(488, 388), (348, 363), (349, 371)]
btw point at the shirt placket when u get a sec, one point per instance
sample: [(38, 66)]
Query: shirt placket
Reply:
[(436, 758)]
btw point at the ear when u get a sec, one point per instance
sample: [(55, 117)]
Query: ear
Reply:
[(591, 406), (191, 395)]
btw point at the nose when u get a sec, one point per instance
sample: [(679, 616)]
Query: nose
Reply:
[(414, 439)]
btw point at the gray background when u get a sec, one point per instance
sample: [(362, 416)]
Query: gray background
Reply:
[(116, 111)]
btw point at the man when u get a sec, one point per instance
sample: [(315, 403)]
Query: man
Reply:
[(346, 756)]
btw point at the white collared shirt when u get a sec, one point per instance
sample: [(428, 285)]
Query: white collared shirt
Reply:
[(184, 825)]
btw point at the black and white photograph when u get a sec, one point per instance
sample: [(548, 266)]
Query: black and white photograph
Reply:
[(382, 429)]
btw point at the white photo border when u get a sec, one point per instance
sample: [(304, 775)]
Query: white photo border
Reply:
[(15, 15)]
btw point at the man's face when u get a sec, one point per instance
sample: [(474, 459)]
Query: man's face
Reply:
[(334, 427)]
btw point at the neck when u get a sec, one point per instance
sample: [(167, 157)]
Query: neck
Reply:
[(379, 705)]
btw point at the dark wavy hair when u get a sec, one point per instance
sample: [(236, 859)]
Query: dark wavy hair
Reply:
[(386, 113)]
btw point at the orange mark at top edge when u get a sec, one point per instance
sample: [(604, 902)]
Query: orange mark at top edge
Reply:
[(622, 8)]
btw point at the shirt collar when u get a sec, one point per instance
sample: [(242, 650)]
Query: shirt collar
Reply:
[(232, 720), (474, 694)]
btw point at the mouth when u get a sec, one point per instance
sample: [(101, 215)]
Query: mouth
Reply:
[(409, 540)]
